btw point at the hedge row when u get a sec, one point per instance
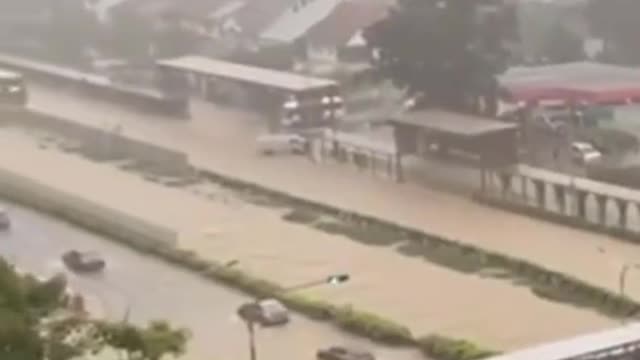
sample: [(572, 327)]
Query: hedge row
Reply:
[(547, 283), (346, 317), (562, 219), (352, 320)]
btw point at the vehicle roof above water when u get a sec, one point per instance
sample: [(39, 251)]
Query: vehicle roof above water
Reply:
[(582, 145), (272, 304)]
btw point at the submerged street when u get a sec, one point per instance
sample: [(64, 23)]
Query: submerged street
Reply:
[(154, 290)]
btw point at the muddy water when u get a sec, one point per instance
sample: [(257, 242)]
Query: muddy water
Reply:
[(220, 224)]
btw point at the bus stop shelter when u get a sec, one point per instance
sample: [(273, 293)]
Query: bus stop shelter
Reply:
[(483, 142), (264, 90)]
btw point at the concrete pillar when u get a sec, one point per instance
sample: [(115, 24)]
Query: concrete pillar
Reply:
[(622, 213), (540, 193), (601, 203), (560, 196), (581, 204), (506, 185), (399, 169)]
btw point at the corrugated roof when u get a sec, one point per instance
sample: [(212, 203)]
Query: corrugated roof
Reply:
[(296, 21), (247, 74), (257, 15), (452, 123), (346, 21)]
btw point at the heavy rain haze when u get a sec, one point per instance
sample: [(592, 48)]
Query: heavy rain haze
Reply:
[(328, 179)]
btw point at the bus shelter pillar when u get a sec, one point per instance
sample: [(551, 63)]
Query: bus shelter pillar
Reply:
[(560, 197), (601, 202), (581, 204), (540, 193), (622, 213)]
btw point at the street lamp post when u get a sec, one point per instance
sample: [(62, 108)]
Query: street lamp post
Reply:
[(250, 312)]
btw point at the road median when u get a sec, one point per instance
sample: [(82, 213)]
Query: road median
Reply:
[(157, 240)]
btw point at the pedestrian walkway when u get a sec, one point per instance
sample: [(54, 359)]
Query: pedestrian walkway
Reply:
[(223, 141)]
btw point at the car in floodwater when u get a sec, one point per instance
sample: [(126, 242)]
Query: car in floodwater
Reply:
[(83, 262)]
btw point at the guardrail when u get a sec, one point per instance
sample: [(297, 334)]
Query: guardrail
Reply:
[(104, 220)]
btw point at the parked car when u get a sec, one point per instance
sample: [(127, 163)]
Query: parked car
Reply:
[(584, 153), (83, 262), (343, 353), (5, 221), (283, 143)]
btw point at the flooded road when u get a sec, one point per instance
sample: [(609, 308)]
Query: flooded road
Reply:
[(152, 290)]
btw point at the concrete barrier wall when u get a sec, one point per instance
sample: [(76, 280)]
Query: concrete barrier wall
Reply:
[(106, 143), (95, 217)]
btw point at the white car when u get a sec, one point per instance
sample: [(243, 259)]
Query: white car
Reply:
[(5, 221), (270, 144), (273, 312), (584, 153)]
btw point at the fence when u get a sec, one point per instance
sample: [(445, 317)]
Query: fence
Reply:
[(378, 158)]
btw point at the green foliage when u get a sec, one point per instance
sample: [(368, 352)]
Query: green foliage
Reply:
[(35, 323), (150, 343), (72, 30), (563, 46), (130, 35), (462, 49), (616, 22), (443, 348), (373, 326)]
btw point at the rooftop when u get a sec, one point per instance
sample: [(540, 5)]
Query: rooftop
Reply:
[(346, 21), (577, 73), (297, 20), (247, 74), (580, 345), (452, 123)]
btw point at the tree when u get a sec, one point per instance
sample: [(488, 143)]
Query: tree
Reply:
[(36, 323), (72, 30), (450, 51), (130, 35), (616, 23), (563, 46)]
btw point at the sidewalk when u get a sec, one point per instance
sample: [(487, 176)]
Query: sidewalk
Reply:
[(223, 140)]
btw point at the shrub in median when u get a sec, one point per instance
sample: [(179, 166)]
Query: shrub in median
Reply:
[(442, 348), (373, 326), (313, 308)]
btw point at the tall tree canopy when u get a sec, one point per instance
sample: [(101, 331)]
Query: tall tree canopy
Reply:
[(71, 32), (616, 22), (37, 323), (562, 45), (450, 51)]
